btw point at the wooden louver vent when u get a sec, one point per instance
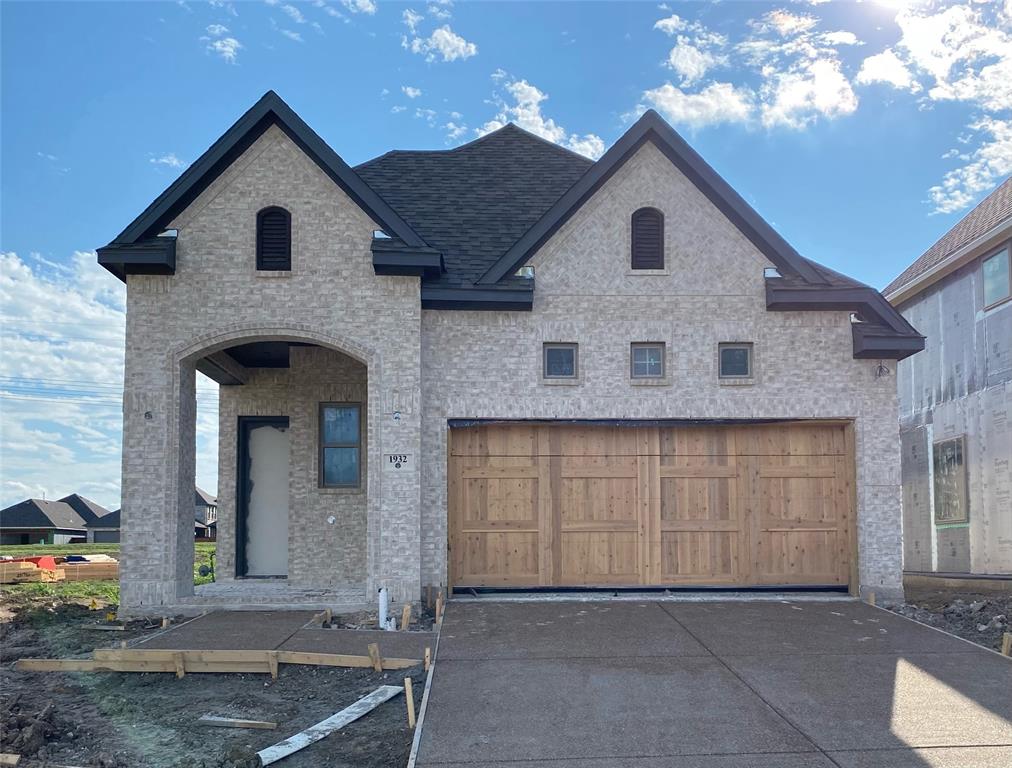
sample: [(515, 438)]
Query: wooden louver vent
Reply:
[(648, 239), (274, 239)]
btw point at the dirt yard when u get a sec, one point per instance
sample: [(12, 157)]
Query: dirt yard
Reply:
[(981, 617), (114, 720)]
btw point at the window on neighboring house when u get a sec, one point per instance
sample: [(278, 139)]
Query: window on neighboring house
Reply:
[(647, 360), (949, 472), (735, 361), (274, 239), (340, 445), (560, 361), (648, 239), (997, 285)]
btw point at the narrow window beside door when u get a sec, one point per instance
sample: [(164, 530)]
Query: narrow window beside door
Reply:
[(340, 445)]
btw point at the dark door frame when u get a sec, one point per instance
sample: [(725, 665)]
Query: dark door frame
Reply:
[(243, 485)]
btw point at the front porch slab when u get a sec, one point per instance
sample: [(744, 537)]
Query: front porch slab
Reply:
[(263, 595)]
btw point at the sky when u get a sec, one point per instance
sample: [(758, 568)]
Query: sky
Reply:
[(862, 131)]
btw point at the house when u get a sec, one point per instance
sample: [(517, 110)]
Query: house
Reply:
[(88, 510), (956, 398), (500, 365), (105, 530), (39, 521), (206, 513)]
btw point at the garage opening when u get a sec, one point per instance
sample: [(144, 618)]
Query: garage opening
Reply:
[(598, 504)]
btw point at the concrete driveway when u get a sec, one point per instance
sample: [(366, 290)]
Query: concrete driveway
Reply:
[(657, 684)]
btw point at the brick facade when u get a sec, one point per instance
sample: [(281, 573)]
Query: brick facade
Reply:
[(418, 368)]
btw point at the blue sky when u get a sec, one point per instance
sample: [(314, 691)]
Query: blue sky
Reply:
[(862, 131)]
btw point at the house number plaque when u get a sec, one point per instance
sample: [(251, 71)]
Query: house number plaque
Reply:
[(397, 460)]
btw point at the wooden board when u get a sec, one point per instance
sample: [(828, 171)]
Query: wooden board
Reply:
[(577, 504)]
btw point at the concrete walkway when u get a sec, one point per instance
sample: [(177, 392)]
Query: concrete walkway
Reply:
[(657, 684)]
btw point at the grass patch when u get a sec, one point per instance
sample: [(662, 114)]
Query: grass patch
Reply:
[(73, 591)]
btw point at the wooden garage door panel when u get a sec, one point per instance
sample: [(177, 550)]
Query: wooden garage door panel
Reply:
[(598, 557), (705, 556), (588, 504)]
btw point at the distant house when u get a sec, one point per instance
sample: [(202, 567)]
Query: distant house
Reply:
[(206, 515), (105, 529), (89, 510), (39, 521), (955, 398)]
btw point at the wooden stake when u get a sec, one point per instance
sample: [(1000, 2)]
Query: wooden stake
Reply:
[(179, 661), (1006, 644), (374, 654), (428, 658), (326, 617), (165, 622), (409, 698), (871, 598), (6, 758), (439, 606), (406, 617), (272, 663)]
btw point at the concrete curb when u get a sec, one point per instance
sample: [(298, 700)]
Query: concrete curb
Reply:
[(413, 756)]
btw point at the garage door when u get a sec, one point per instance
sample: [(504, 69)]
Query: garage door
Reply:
[(587, 504)]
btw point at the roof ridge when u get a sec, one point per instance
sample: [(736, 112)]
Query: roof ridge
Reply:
[(470, 144)]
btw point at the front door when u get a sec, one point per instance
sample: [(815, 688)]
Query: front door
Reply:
[(262, 519)]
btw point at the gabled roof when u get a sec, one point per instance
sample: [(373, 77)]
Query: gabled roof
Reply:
[(269, 110), (990, 213), (204, 499), (88, 510), (651, 127), (475, 201), (110, 520), (41, 513)]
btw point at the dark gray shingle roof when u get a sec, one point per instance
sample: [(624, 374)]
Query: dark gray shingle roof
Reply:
[(87, 509), (108, 520), (40, 513), (989, 213), (475, 201), (204, 499)]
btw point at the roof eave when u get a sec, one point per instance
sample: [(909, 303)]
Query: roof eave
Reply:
[(651, 127), (514, 300), (269, 110), (976, 248), (156, 256)]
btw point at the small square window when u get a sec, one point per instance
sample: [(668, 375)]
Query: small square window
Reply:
[(996, 278), (735, 361), (647, 361), (560, 361)]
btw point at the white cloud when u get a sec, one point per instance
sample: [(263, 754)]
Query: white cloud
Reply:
[(367, 7), (216, 30), (455, 131), (796, 99), (291, 35), (525, 111), (988, 165), (886, 67), (294, 13), (669, 26), (840, 37), (169, 160), (411, 19), (440, 10), (411, 93), (714, 104), (226, 47), (689, 62), (396, 109), (329, 10), (428, 115), (443, 43), (786, 23)]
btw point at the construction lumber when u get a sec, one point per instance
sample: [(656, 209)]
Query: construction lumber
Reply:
[(409, 698), (23, 571), (406, 617), (374, 654), (107, 627), (217, 661), (1006, 644), (324, 728), (230, 722), (6, 758), (428, 658), (90, 571)]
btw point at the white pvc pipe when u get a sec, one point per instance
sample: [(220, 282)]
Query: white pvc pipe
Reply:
[(384, 606)]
